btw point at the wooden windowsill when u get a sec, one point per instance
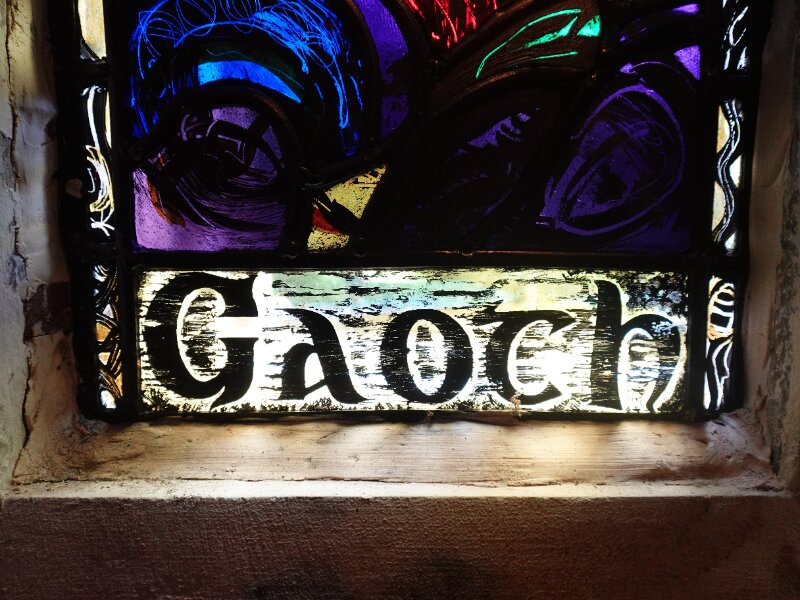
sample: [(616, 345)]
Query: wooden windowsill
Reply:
[(506, 452)]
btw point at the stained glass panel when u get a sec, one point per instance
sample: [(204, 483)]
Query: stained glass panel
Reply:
[(537, 340), (312, 93), (407, 204)]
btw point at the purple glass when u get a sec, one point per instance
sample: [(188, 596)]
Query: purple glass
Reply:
[(690, 58), (689, 9), (216, 186), (392, 51), (630, 159)]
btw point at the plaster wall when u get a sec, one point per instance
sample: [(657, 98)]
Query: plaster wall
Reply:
[(772, 327), (13, 369), (34, 351)]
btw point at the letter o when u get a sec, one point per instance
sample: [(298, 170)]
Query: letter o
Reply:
[(394, 356)]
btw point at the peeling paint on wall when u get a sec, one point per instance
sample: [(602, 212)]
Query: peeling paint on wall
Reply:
[(48, 310), (6, 167)]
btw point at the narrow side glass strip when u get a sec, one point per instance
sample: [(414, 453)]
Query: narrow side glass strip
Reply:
[(98, 189), (721, 330), (108, 352), (730, 167), (93, 30)]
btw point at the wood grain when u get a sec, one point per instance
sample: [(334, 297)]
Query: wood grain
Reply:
[(503, 451)]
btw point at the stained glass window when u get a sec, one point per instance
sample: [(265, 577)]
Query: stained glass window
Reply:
[(277, 206)]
